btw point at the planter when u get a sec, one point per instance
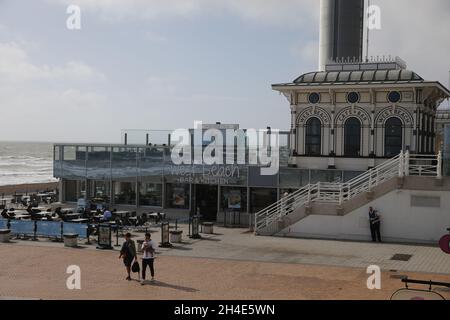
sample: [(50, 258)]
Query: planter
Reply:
[(5, 234), (208, 228), (176, 236), (70, 240)]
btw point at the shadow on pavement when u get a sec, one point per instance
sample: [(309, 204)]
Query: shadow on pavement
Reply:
[(170, 286)]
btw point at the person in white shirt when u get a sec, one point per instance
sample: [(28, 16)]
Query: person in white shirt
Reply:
[(148, 248)]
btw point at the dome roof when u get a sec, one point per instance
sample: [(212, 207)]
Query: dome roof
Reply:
[(366, 76)]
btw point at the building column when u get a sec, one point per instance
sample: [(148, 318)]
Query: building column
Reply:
[(62, 190)]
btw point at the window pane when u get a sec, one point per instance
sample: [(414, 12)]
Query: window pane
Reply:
[(125, 193), (262, 198), (150, 194), (313, 137), (234, 199), (352, 140), (393, 137), (178, 196)]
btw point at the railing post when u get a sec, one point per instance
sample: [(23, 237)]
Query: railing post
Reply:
[(401, 163), (318, 191), (309, 193), (341, 194), (370, 179), (407, 159), (439, 165)]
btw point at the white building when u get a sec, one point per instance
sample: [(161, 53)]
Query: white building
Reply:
[(354, 116)]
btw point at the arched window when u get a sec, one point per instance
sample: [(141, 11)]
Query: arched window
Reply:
[(352, 137), (393, 137), (313, 137)]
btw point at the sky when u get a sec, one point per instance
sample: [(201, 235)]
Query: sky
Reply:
[(163, 64)]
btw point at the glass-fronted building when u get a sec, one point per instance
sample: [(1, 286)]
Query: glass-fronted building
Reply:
[(142, 177)]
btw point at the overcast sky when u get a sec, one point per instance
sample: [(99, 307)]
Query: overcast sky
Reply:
[(161, 64)]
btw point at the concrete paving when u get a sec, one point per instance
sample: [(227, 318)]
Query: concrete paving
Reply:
[(241, 245), (39, 272)]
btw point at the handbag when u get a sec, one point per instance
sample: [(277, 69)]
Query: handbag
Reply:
[(135, 267)]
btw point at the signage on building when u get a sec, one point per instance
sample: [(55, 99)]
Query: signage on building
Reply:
[(397, 112), (216, 174)]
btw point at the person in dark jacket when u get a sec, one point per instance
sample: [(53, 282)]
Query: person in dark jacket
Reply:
[(375, 225), (128, 254)]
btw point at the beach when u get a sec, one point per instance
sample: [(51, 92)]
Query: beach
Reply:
[(27, 188)]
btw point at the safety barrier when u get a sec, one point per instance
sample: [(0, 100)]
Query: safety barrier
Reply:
[(48, 229), (3, 224)]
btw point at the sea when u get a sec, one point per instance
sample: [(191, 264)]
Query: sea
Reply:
[(26, 162)]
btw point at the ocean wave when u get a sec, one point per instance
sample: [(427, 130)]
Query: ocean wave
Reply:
[(22, 163)]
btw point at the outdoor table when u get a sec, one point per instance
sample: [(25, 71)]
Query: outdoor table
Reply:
[(72, 216), (121, 213), (69, 209), (154, 215), (22, 216), (80, 220), (133, 220)]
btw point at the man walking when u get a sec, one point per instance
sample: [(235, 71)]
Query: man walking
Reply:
[(148, 247), (375, 224)]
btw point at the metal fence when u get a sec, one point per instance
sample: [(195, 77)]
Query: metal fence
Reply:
[(45, 229)]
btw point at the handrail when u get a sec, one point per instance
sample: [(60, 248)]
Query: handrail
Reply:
[(404, 164)]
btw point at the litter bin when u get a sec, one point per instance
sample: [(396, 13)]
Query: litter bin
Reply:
[(176, 236), (208, 228), (5, 235), (71, 240)]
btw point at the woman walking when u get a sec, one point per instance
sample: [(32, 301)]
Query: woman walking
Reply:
[(128, 254)]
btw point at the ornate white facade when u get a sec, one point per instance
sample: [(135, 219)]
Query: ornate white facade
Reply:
[(355, 116)]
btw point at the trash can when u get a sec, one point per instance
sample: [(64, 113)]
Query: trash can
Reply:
[(70, 240), (4, 235), (176, 236), (208, 228)]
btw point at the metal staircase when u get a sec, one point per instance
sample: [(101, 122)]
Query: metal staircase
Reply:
[(268, 221)]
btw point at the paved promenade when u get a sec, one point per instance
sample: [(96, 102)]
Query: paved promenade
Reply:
[(232, 264)]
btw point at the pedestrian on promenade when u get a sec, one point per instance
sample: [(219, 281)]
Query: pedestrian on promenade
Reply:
[(375, 225), (149, 248), (128, 254)]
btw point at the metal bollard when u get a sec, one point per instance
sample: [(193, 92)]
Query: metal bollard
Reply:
[(88, 234), (35, 231), (117, 236)]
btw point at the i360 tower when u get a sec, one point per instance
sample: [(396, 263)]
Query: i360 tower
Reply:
[(341, 31)]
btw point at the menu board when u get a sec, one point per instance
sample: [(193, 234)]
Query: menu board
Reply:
[(165, 233), (104, 236), (195, 223)]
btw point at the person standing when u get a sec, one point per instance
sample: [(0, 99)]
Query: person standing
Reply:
[(375, 225), (148, 248), (128, 254)]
